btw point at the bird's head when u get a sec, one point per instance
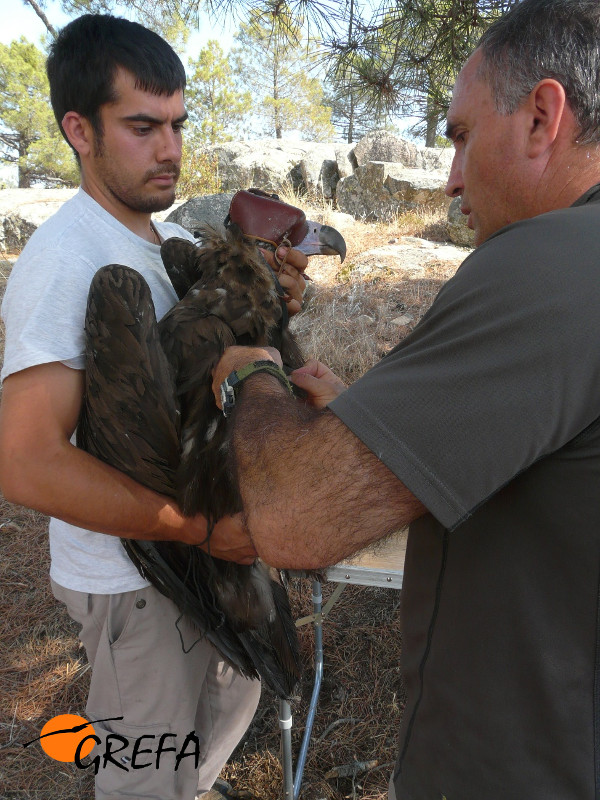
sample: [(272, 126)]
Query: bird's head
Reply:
[(269, 220)]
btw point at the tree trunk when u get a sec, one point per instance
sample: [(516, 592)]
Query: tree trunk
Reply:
[(277, 110), (351, 114), (351, 119), (431, 133), (42, 16), (24, 176), (432, 119)]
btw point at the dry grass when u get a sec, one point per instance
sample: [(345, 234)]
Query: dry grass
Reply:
[(348, 324), (351, 325)]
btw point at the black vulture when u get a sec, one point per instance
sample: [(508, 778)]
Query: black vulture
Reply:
[(149, 411)]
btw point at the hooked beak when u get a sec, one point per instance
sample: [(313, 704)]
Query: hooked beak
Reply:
[(322, 240)]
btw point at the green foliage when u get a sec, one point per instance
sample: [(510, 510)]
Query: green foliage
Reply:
[(29, 136), (400, 59), (356, 108), (405, 59), (199, 171), (274, 65), (216, 108), (171, 19)]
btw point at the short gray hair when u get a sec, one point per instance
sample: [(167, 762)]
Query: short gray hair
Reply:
[(539, 39)]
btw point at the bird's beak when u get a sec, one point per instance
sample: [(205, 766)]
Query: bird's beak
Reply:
[(322, 240)]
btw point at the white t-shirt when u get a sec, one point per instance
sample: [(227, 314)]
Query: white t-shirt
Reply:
[(44, 312)]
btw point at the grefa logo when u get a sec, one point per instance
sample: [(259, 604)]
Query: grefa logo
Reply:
[(69, 737)]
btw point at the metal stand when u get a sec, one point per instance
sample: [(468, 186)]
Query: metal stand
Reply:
[(291, 786), (384, 568)]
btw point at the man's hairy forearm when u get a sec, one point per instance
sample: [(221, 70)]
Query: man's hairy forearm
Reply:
[(313, 493)]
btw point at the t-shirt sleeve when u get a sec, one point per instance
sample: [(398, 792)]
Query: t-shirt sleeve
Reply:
[(503, 369), (44, 310)]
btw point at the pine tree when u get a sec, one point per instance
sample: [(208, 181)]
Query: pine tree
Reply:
[(29, 136), (275, 66), (405, 59), (216, 108)]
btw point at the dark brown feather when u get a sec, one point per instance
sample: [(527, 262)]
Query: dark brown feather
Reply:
[(149, 410)]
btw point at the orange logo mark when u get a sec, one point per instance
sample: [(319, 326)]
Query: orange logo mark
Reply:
[(61, 736)]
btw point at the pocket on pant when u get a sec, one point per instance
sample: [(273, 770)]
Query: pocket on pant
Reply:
[(140, 763), (120, 611)]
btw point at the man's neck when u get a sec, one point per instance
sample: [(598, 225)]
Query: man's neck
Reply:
[(137, 222), (569, 175)]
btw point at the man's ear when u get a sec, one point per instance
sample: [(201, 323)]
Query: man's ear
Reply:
[(79, 132), (546, 104)]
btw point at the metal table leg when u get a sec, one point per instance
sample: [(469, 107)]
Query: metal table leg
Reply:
[(285, 724), (291, 787), (312, 710), (383, 568)]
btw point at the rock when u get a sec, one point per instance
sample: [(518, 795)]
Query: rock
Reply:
[(384, 146), (278, 165), (416, 187), (346, 163), (275, 164), (411, 257), (380, 191), (319, 176), (458, 231), (435, 159), (405, 319), (210, 209), (24, 210), (337, 219), (365, 319)]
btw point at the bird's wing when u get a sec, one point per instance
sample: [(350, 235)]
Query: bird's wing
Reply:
[(262, 643), (130, 416), (131, 420), (193, 342), (179, 258)]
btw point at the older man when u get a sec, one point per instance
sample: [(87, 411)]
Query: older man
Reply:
[(482, 430)]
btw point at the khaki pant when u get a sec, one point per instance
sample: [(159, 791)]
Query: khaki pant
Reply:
[(150, 667)]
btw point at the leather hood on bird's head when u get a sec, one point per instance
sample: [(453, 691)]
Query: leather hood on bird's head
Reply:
[(267, 218)]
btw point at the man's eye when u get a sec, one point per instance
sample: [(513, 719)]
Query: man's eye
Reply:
[(178, 127), (142, 130)]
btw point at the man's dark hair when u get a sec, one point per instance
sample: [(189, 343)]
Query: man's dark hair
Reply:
[(86, 54), (539, 39)]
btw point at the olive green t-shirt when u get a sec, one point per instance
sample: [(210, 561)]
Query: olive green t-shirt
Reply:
[(488, 413)]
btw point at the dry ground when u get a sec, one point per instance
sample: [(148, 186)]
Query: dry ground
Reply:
[(43, 672)]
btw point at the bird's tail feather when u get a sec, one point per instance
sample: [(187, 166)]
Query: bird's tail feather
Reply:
[(273, 647), (184, 574)]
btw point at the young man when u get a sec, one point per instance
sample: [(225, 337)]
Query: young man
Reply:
[(482, 429), (117, 92)]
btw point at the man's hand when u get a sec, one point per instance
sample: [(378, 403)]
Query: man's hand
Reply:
[(229, 539), (320, 383), (237, 357), (289, 275)]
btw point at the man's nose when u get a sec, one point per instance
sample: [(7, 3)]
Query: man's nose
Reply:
[(455, 185), (170, 146)]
